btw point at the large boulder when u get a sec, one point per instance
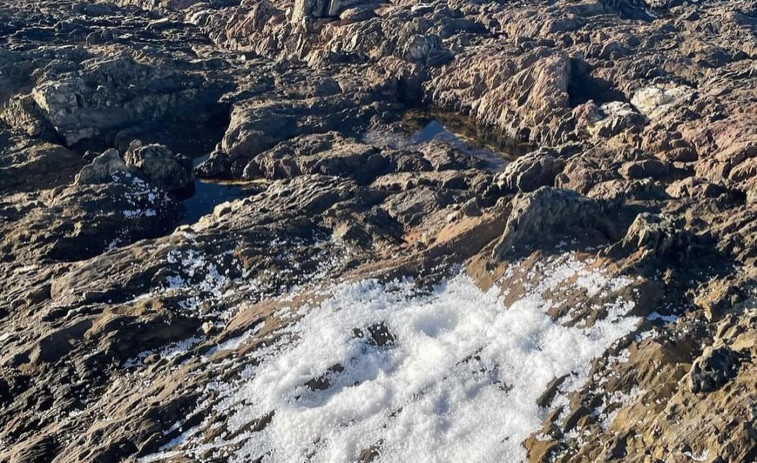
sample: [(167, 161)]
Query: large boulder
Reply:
[(418, 48), (652, 237), (657, 101), (257, 126), (607, 120), (102, 168), (532, 171), (160, 166), (327, 154), (588, 169), (542, 217), (154, 163)]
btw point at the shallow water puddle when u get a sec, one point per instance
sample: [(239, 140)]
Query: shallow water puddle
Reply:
[(437, 131), (207, 195), (446, 374), (456, 131)]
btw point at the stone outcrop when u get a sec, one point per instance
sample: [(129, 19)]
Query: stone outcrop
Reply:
[(656, 237), (713, 369), (624, 133), (531, 171), (523, 94), (102, 168), (30, 166), (542, 216), (313, 9), (160, 166), (154, 163)]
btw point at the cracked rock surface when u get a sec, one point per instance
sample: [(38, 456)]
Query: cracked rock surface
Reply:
[(612, 143)]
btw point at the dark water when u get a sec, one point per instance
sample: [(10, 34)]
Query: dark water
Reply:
[(207, 195), (194, 141)]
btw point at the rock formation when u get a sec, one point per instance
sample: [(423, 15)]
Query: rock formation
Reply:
[(581, 172)]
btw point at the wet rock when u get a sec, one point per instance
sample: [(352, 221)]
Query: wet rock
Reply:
[(154, 163), (441, 156), (218, 166)]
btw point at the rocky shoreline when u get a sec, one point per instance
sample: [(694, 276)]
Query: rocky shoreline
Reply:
[(596, 159)]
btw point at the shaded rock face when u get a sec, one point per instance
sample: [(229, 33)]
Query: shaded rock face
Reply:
[(540, 216), (109, 95), (160, 166), (87, 219), (713, 369), (102, 168), (31, 166), (531, 172), (637, 120), (655, 237)]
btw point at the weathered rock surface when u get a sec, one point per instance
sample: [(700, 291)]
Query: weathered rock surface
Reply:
[(638, 124), (79, 221), (29, 166), (102, 168), (160, 166), (713, 369), (537, 218), (532, 171)]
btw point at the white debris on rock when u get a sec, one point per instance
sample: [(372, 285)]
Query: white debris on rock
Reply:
[(454, 374), (612, 403), (171, 351)]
